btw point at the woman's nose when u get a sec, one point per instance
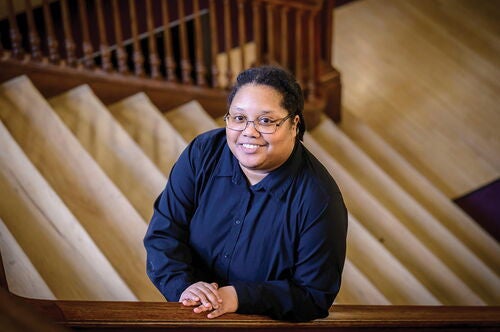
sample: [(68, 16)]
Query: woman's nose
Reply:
[(250, 129)]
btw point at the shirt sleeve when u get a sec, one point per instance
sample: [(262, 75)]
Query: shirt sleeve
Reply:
[(169, 258), (317, 276)]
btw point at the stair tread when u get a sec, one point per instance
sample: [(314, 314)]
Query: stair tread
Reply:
[(416, 257), (388, 274), (422, 190), (459, 258), (357, 289), (190, 120), (101, 208), (57, 244), (22, 277), (111, 147), (150, 129)]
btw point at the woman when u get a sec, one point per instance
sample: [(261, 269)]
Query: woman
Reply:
[(250, 221)]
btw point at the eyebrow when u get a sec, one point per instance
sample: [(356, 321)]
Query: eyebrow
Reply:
[(260, 112)]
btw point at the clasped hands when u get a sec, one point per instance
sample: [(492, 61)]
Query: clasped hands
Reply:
[(209, 297)]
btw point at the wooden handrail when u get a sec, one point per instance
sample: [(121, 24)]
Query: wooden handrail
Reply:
[(153, 315), (144, 316)]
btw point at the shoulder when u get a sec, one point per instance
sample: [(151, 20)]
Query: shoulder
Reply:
[(314, 187), (315, 176), (206, 147), (205, 150), (207, 139)]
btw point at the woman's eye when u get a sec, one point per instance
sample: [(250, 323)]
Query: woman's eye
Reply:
[(265, 121), (239, 118)]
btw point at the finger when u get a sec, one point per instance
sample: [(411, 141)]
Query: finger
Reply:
[(201, 308), (213, 294), (219, 298), (189, 302), (189, 299), (216, 313), (209, 296)]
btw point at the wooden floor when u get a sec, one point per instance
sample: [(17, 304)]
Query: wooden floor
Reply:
[(425, 75)]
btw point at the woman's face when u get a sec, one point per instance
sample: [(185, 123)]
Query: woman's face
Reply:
[(259, 154)]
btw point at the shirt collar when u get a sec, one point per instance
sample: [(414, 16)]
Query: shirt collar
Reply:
[(276, 183)]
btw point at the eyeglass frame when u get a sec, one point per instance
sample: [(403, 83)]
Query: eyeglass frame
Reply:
[(276, 125)]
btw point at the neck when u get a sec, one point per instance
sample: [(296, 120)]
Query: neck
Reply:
[(253, 177)]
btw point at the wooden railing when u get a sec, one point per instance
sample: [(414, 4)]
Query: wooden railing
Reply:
[(201, 43), (23, 314), (42, 315)]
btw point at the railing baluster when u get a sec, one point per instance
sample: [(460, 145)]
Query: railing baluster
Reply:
[(68, 37), (257, 33), (88, 60), (103, 40), (1, 47), (241, 31), (167, 41), (15, 36), (284, 36), (121, 55), (271, 55), (214, 45), (311, 83), (327, 19), (138, 57), (154, 61), (228, 42), (33, 34), (200, 67), (298, 47), (185, 63), (52, 43)]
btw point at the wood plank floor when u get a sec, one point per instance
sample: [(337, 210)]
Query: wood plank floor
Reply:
[(425, 75)]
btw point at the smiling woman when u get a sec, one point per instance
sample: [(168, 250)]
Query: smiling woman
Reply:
[(250, 221), (267, 144)]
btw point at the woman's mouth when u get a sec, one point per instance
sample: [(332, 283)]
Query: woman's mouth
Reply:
[(250, 146)]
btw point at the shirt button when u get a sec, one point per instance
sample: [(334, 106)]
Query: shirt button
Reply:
[(237, 222), (226, 255)]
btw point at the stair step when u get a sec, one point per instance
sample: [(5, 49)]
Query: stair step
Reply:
[(108, 217), (356, 289), (150, 130), (190, 120), (391, 278), (63, 253), (414, 216), (22, 277), (422, 190), (111, 147), (417, 258)]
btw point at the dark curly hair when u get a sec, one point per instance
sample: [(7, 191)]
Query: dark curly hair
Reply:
[(280, 80)]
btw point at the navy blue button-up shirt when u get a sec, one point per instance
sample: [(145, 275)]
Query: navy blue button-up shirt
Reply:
[(280, 243)]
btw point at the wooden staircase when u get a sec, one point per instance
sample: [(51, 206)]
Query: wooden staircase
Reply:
[(78, 180)]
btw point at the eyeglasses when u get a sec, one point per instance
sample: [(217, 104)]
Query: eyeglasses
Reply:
[(263, 124)]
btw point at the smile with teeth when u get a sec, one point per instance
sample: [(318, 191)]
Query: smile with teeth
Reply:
[(250, 146)]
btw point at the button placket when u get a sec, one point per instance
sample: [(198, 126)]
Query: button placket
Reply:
[(235, 231)]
